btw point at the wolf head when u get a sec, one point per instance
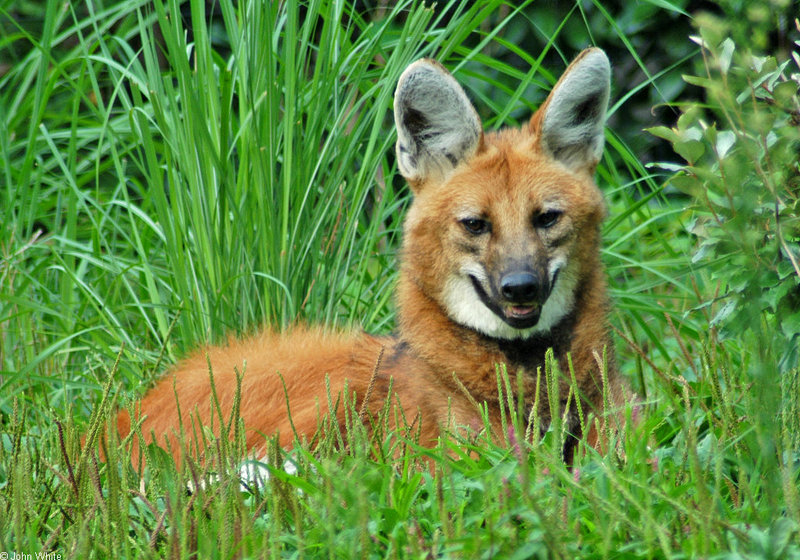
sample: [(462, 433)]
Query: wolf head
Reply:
[(504, 226)]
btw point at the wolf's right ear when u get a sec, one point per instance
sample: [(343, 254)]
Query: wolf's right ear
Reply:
[(437, 126)]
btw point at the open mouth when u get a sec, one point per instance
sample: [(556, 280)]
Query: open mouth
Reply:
[(521, 311), (519, 316)]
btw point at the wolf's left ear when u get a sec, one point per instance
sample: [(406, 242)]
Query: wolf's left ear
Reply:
[(570, 123), (437, 126)]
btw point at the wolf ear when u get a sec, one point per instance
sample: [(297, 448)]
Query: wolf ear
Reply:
[(437, 126), (570, 123)]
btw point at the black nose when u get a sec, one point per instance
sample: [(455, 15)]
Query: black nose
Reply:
[(520, 287)]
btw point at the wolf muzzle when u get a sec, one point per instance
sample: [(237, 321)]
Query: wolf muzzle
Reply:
[(517, 296)]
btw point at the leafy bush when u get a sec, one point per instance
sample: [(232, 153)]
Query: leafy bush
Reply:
[(741, 145)]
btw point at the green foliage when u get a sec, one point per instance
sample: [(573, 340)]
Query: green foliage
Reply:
[(175, 172), (697, 492), (741, 146)]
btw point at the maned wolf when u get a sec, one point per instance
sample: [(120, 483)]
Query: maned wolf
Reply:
[(500, 262)]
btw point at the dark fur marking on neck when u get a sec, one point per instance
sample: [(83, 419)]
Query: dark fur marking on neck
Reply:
[(529, 353)]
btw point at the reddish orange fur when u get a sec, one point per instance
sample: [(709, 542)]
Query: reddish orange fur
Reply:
[(274, 366), (509, 170)]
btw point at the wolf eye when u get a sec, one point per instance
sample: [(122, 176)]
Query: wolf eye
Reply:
[(475, 226), (547, 219)]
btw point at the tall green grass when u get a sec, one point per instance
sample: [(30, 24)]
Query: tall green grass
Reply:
[(175, 173)]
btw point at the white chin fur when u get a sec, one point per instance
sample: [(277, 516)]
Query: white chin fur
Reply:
[(465, 307)]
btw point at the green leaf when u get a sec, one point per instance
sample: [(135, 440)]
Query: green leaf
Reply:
[(687, 184), (726, 54), (724, 312), (785, 94), (704, 83), (690, 150), (664, 132), (725, 141)]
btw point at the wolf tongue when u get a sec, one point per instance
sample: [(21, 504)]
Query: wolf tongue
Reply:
[(520, 310)]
